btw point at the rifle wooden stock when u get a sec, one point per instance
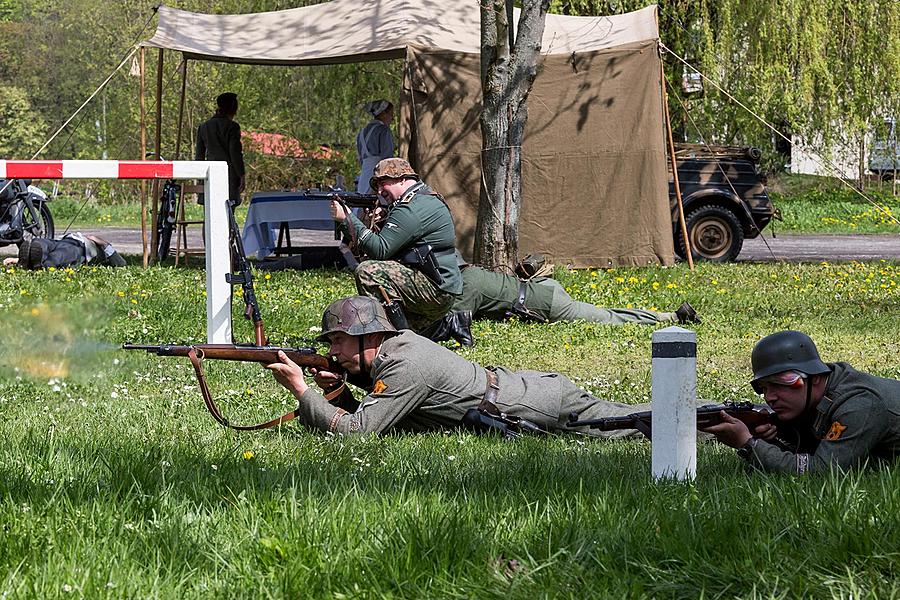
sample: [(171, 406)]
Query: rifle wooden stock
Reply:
[(305, 357), (751, 414)]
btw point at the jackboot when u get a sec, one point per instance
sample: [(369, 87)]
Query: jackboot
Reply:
[(687, 314), (456, 325), (461, 327)]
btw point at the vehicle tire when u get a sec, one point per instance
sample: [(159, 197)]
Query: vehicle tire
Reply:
[(30, 228), (715, 234)]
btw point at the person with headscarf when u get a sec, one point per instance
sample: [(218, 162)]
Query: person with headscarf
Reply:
[(374, 142)]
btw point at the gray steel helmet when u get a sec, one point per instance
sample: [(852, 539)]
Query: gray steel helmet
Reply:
[(785, 351), (356, 315)]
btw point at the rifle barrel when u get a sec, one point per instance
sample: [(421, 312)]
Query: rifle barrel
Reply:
[(306, 357)]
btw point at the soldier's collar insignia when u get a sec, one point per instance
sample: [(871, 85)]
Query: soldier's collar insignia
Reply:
[(379, 387), (835, 432)]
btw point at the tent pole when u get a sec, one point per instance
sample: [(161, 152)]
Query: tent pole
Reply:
[(681, 221), (184, 66), (154, 200), (143, 157)]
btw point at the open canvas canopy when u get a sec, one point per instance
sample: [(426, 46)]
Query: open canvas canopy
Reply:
[(344, 31), (594, 191)]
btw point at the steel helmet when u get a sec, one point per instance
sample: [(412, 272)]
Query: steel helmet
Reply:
[(392, 168), (785, 351), (356, 315)]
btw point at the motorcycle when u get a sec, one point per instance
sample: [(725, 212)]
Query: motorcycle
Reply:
[(24, 212)]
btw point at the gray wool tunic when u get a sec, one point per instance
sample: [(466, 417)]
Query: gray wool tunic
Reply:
[(418, 385)]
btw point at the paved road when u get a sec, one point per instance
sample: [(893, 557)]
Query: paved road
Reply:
[(791, 248), (809, 248)]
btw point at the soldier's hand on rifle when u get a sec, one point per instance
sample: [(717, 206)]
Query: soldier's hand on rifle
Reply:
[(766, 431), (731, 432), (337, 211), (289, 374), (325, 379)]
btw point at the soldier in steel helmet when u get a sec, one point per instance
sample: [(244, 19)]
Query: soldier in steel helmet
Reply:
[(413, 255), (414, 384), (840, 417)]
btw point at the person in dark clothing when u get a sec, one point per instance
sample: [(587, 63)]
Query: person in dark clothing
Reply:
[(839, 416), (219, 138), (72, 250)]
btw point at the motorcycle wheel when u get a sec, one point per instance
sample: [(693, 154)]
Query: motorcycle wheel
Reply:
[(43, 229)]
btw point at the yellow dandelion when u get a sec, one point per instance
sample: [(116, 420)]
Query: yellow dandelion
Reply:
[(248, 454)]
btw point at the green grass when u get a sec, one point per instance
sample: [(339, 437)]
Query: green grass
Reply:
[(824, 205), (115, 482)]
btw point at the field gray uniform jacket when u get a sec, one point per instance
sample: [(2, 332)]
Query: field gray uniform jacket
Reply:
[(421, 386), (857, 419)]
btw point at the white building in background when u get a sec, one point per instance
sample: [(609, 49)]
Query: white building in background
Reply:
[(881, 154)]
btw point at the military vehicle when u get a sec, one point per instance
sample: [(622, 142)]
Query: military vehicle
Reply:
[(725, 200)]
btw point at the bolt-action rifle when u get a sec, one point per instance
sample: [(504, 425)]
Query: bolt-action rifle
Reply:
[(753, 415), (304, 357)]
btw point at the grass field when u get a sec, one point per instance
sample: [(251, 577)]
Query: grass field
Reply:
[(115, 482)]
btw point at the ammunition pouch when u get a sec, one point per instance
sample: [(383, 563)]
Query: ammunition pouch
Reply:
[(423, 258), (519, 309)]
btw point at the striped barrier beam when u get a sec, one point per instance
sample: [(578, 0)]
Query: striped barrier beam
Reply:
[(215, 227)]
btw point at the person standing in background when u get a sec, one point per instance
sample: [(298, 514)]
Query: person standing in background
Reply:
[(374, 142), (219, 138)]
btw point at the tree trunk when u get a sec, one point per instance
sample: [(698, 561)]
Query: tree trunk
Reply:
[(507, 76)]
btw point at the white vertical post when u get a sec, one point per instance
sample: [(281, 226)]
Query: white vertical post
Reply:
[(674, 421), (218, 254)]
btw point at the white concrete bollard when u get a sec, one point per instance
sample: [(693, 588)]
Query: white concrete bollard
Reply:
[(673, 402)]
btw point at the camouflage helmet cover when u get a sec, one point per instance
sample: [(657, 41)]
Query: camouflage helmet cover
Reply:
[(786, 351), (356, 315), (392, 168)]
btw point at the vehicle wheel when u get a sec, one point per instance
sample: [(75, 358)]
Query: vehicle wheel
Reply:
[(43, 229), (715, 234)]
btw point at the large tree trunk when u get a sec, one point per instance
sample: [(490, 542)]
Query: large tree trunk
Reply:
[(506, 76)]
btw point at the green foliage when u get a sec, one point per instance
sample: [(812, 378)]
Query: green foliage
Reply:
[(810, 67), (114, 482), (23, 128)]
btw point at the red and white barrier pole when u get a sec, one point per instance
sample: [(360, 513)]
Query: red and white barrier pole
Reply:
[(215, 227)]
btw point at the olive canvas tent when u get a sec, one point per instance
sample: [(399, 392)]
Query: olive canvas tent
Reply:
[(594, 160)]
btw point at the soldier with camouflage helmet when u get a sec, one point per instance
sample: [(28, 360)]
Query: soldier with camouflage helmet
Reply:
[(839, 417), (414, 253), (414, 384)]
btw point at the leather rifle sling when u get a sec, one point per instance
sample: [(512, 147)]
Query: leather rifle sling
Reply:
[(212, 407)]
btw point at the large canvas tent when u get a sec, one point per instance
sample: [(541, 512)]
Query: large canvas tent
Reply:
[(594, 171)]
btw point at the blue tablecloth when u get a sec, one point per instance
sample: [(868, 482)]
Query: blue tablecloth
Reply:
[(268, 210)]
